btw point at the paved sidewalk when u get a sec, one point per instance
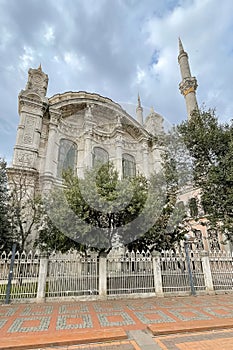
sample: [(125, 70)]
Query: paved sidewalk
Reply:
[(27, 326)]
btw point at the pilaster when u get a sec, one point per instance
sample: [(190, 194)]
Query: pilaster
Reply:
[(157, 274), (207, 272), (145, 156), (52, 146), (43, 270), (103, 274), (119, 151)]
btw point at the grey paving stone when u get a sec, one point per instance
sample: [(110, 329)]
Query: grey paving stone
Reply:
[(144, 340)]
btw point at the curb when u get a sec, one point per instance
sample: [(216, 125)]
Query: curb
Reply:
[(199, 326), (93, 336)]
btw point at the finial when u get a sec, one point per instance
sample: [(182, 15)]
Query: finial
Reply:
[(40, 68), (139, 101), (152, 109), (181, 49)]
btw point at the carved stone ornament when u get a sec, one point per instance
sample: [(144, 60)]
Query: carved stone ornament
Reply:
[(88, 112), (37, 81), (24, 158), (55, 116), (188, 85), (29, 130), (69, 129)]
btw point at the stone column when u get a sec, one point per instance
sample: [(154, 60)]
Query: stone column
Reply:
[(207, 272), (43, 270), (89, 124), (52, 148), (87, 149), (119, 147), (103, 274), (157, 274), (145, 159)]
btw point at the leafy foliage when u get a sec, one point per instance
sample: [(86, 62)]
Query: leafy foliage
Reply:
[(211, 147), (101, 211)]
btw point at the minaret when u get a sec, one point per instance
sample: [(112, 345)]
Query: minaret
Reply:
[(139, 111), (188, 85), (33, 104)]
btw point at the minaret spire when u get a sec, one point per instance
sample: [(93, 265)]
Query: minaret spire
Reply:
[(181, 49), (188, 84), (139, 101), (139, 111)]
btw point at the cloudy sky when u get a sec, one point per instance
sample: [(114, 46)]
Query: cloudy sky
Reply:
[(116, 48)]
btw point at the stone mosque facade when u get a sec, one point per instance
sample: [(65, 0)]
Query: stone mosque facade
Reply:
[(77, 129)]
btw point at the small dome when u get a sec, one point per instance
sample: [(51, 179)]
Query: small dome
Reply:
[(154, 123)]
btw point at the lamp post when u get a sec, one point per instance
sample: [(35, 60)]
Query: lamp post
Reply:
[(186, 239), (10, 276)]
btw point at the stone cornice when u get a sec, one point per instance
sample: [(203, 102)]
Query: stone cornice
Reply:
[(31, 104), (75, 101)]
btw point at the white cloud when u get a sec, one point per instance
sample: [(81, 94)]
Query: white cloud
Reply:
[(140, 75), (49, 34), (5, 38), (74, 61), (27, 58), (117, 48)]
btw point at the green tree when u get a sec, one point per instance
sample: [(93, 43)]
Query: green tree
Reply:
[(5, 231), (25, 208), (168, 212), (101, 211), (210, 144)]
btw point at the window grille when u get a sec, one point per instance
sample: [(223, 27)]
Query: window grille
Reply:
[(128, 165), (66, 157), (100, 156)]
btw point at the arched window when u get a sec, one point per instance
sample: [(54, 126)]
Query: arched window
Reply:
[(100, 156), (66, 156), (128, 165)]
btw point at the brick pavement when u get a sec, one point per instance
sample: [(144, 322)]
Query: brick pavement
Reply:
[(80, 322), (211, 340)]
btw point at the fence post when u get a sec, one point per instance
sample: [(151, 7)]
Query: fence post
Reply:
[(103, 274), (157, 273), (43, 270), (207, 272)]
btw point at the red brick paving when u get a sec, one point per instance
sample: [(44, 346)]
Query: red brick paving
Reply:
[(212, 340), (38, 325)]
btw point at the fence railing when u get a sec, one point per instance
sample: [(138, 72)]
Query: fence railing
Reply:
[(130, 273), (72, 275), (120, 273), (175, 274), (221, 265), (25, 275)]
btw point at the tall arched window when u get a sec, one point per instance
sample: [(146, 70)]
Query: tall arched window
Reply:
[(66, 156), (100, 156), (128, 165)]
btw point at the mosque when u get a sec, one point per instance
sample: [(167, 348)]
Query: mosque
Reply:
[(77, 129)]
